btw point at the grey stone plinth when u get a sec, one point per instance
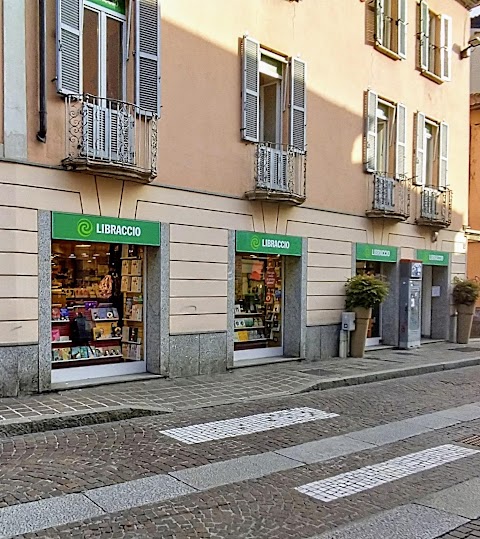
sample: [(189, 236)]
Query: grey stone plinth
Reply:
[(18, 370), (213, 353), (184, 355)]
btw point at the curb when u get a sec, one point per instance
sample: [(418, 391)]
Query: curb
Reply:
[(379, 376), (95, 416)]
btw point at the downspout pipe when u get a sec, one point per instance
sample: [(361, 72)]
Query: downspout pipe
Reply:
[(42, 52)]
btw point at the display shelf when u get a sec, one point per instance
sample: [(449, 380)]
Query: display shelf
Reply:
[(130, 291), (132, 342), (62, 342), (130, 320), (105, 319), (132, 359), (130, 258), (60, 321), (263, 339), (248, 314), (85, 358), (131, 275), (249, 328), (106, 339)]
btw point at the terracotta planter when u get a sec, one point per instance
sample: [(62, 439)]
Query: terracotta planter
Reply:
[(362, 320), (464, 322)]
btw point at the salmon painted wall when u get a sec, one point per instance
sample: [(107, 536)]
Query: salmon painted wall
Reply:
[(199, 132)]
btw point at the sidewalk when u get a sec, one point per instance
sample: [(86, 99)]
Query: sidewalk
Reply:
[(99, 404)]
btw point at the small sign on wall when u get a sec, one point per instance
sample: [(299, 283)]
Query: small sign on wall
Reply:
[(436, 291)]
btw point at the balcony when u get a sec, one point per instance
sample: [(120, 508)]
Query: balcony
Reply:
[(110, 138), (280, 174), (390, 197), (435, 207)]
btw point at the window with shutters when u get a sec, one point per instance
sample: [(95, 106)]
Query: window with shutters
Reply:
[(390, 34), (435, 44), (106, 125), (274, 119), (431, 163), (385, 136)]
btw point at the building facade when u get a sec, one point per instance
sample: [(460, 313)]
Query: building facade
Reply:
[(186, 187)]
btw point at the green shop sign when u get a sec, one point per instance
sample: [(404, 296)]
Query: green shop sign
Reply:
[(114, 5), (275, 244), (377, 253), (433, 258), (73, 226)]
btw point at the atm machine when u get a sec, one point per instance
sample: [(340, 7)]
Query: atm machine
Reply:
[(410, 303)]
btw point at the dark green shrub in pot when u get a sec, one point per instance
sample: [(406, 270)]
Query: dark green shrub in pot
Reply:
[(363, 292), (465, 294)]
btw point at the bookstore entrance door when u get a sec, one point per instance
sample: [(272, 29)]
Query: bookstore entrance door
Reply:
[(97, 320), (259, 306)]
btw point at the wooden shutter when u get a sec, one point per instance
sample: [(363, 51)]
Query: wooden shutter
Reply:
[(446, 47), (371, 132), (424, 35), (298, 104), (69, 26), (443, 162), (379, 21), (251, 89), (420, 150), (401, 141), (147, 56), (402, 28)]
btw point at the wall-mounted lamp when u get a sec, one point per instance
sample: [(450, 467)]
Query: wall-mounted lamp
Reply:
[(473, 42), (434, 237)]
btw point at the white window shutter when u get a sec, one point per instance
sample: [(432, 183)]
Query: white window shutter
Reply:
[(298, 104), (251, 89), (401, 142), (147, 55), (443, 162), (69, 59), (446, 47), (420, 150), (371, 132), (424, 35), (402, 28), (379, 20)]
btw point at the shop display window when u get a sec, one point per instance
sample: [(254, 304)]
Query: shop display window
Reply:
[(97, 303), (258, 302)]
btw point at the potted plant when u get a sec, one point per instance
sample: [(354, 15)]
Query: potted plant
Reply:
[(465, 293), (363, 292)]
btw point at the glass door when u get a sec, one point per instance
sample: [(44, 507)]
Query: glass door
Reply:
[(374, 334)]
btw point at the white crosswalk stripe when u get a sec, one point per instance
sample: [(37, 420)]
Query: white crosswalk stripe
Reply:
[(346, 484), (239, 426)]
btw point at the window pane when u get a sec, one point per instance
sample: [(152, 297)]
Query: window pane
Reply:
[(90, 52), (270, 113), (114, 59)]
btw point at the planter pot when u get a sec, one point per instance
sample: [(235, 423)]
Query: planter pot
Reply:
[(362, 320), (464, 322)]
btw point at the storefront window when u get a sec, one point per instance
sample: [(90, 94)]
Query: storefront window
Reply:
[(258, 303), (97, 303)]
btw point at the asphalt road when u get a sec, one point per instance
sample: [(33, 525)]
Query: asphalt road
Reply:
[(386, 460)]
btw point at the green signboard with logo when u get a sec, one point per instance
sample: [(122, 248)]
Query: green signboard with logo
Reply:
[(274, 244), (73, 226), (376, 253), (433, 258)]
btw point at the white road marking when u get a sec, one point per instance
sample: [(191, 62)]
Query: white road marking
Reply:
[(239, 426), (346, 484)]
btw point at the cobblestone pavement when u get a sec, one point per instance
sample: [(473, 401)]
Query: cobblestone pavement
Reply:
[(241, 385), (57, 463)]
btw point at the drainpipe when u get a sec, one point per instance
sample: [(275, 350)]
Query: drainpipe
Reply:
[(42, 50)]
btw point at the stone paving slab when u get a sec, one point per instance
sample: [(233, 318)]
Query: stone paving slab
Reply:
[(43, 514), (407, 522), (233, 471), (391, 432), (138, 492), (462, 499)]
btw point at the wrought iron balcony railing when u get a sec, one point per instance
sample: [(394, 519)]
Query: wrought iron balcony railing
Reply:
[(111, 138), (435, 207), (390, 197), (279, 174)]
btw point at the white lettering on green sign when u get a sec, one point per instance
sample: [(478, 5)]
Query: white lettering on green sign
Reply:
[(380, 252), (437, 258), (118, 230), (277, 244)]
